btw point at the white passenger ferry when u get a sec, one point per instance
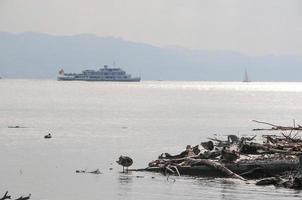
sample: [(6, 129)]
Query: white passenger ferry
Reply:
[(103, 74)]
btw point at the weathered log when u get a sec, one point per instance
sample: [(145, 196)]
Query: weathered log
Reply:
[(256, 148), (218, 166), (294, 181), (297, 179), (270, 181), (273, 165), (266, 123), (257, 172), (277, 127)]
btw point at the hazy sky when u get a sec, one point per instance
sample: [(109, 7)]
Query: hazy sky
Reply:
[(254, 27)]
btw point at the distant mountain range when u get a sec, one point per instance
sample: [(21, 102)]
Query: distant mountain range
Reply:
[(35, 55)]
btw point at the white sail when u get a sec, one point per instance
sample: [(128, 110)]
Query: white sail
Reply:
[(246, 77)]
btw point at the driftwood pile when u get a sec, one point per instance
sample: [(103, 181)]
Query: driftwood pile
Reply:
[(275, 160), (6, 196)]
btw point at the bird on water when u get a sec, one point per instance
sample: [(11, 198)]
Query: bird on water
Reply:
[(125, 161)]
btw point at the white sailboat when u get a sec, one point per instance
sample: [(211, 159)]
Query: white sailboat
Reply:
[(246, 77)]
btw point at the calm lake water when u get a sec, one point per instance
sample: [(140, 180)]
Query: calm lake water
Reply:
[(92, 123)]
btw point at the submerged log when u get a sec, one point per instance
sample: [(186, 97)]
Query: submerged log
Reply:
[(272, 165), (270, 181), (292, 180), (297, 181), (218, 166), (257, 173)]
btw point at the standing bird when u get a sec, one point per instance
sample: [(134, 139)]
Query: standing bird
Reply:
[(125, 161)]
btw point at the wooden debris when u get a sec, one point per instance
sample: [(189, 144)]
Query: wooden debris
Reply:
[(277, 158), (218, 166), (276, 127), (270, 181), (5, 196)]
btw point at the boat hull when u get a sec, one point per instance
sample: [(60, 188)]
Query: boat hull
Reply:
[(103, 74), (99, 80)]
